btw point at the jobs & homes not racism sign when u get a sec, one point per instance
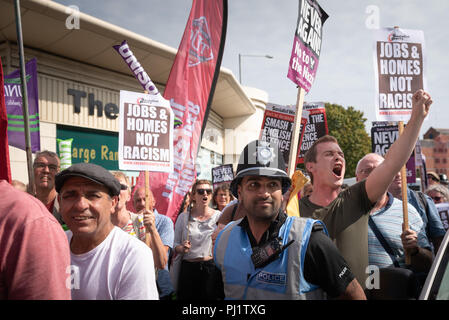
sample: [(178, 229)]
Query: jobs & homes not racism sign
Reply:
[(146, 132), (399, 71)]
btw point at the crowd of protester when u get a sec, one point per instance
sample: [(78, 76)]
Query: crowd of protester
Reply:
[(217, 247)]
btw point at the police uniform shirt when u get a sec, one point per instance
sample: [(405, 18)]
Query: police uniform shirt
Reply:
[(323, 265)]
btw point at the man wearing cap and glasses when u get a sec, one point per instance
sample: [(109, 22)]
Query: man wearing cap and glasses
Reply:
[(267, 255), (106, 262), (45, 167)]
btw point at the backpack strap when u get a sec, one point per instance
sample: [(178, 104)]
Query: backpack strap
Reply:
[(382, 241)]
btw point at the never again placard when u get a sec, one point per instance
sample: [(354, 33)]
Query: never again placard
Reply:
[(399, 71), (146, 132), (306, 50)]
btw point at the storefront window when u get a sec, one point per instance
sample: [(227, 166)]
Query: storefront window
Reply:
[(206, 160)]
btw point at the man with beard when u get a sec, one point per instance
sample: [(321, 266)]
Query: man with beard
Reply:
[(46, 166), (268, 255), (345, 213)]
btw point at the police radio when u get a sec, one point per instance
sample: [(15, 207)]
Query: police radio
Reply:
[(269, 252)]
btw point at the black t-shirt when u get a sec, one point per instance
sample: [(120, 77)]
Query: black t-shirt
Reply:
[(323, 264)]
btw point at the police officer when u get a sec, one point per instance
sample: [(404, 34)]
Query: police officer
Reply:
[(268, 255)]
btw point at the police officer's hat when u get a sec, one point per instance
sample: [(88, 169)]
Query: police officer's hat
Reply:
[(259, 158)]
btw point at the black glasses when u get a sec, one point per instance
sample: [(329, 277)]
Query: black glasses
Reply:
[(123, 186), (201, 191), (433, 178), (436, 198)]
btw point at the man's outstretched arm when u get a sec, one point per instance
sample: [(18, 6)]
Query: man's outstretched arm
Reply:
[(377, 183)]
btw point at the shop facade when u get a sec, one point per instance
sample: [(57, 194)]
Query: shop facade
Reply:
[(79, 95)]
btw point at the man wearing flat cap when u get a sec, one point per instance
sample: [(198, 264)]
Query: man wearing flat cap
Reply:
[(268, 255), (106, 262)]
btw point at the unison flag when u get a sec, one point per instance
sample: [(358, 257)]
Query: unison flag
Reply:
[(190, 89), (13, 100), (5, 169)]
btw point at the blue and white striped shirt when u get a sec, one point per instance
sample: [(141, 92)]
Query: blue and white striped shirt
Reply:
[(389, 222)]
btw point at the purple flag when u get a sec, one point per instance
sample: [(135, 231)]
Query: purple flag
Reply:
[(13, 101)]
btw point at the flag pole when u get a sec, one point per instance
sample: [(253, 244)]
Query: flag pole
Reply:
[(295, 136), (404, 196), (147, 204), (23, 85)]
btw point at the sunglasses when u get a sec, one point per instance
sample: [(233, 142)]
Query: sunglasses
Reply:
[(201, 191), (123, 186), (436, 198), (433, 178)]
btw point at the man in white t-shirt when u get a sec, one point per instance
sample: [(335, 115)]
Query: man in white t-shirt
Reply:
[(106, 262)]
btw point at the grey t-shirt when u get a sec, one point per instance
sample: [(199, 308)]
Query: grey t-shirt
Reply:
[(197, 232)]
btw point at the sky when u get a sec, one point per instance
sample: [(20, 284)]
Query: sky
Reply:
[(266, 27)]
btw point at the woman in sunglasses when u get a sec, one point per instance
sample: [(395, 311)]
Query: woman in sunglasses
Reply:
[(438, 193), (198, 277)]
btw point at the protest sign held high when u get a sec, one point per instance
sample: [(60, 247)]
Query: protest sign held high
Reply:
[(399, 71), (307, 44), (222, 174), (313, 127), (383, 135), (277, 126), (146, 132)]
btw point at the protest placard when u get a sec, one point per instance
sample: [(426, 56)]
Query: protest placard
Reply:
[(307, 44), (146, 132), (383, 135), (277, 127), (222, 174), (443, 210), (399, 71), (313, 127)]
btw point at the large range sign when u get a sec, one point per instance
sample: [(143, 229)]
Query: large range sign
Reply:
[(146, 132), (399, 72)]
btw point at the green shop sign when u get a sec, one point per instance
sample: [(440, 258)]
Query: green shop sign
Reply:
[(93, 146)]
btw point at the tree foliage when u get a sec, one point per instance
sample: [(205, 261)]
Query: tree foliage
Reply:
[(347, 125)]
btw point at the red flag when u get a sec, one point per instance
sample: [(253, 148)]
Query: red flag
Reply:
[(189, 89), (5, 170)]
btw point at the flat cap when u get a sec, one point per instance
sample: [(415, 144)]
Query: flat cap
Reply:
[(89, 171)]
